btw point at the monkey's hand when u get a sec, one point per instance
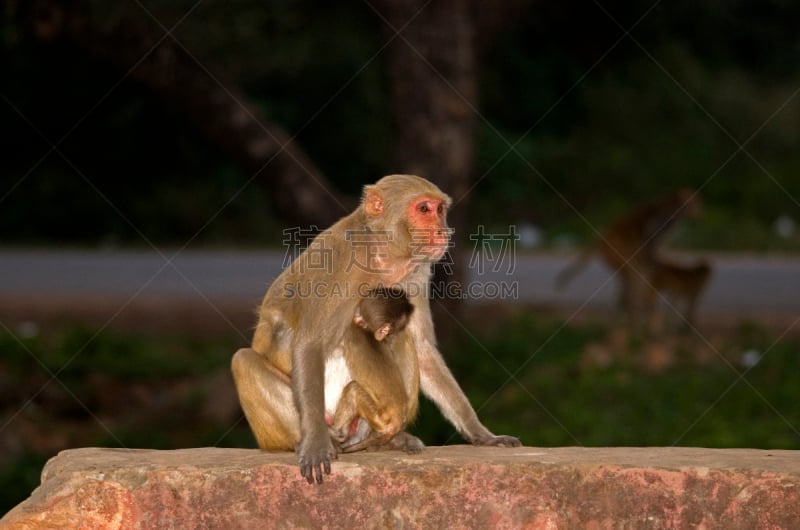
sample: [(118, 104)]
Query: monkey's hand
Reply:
[(497, 441), (315, 455)]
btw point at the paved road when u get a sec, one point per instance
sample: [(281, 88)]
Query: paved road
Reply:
[(741, 284)]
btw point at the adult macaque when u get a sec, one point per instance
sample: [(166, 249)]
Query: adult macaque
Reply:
[(295, 370), (378, 356), (682, 285), (629, 246)]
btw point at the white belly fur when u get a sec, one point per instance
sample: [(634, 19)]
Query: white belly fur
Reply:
[(337, 375)]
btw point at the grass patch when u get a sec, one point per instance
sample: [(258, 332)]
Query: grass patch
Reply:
[(550, 384)]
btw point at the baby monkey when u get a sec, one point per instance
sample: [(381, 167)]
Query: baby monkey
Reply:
[(377, 355)]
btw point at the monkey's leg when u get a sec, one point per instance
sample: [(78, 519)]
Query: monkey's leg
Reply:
[(355, 402), (346, 411), (266, 398), (633, 288), (681, 315), (377, 441), (404, 441), (373, 442), (638, 314), (688, 322), (653, 312), (625, 293)]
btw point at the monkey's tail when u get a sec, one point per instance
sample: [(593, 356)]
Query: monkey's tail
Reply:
[(576, 266)]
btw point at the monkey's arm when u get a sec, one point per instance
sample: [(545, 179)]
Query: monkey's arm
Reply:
[(315, 450), (438, 383), (435, 379)]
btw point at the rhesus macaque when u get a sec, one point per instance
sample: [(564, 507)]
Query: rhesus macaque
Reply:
[(682, 285), (378, 356), (629, 246), (295, 370)]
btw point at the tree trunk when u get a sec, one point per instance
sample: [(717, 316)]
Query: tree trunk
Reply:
[(434, 83), (299, 191)]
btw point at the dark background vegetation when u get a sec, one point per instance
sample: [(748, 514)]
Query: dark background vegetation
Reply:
[(587, 107), (114, 133)]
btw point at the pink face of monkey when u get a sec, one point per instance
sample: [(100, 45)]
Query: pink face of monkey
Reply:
[(427, 220)]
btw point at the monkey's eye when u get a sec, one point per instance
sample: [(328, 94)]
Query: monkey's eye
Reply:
[(440, 209), (423, 207)]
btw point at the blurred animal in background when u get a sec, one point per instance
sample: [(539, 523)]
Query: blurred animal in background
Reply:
[(629, 246), (680, 286)]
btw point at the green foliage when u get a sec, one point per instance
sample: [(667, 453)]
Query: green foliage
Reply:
[(80, 387), (18, 481), (76, 352), (532, 380), (649, 127)]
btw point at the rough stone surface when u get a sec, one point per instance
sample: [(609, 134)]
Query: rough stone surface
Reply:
[(442, 487)]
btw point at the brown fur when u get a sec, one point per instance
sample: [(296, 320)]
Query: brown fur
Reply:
[(378, 356), (682, 285)]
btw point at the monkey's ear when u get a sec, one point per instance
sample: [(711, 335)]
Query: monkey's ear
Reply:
[(373, 202), (359, 321), (382, 331)]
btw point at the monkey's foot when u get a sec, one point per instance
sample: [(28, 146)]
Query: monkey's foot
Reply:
[(498, 441), (315, 457), (405, 442)]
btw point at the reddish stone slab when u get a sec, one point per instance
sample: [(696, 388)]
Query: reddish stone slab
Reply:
[(442, 487)]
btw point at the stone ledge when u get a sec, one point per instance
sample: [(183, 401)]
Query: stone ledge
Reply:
[(442, 487)]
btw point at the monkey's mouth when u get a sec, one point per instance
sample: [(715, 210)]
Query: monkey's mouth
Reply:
[(435, 251), (431, 245)]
